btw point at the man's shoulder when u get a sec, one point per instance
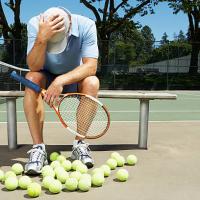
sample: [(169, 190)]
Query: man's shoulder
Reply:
[(34, 21), (83, 20)]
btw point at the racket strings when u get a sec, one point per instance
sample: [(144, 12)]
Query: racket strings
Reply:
[(83, 115)]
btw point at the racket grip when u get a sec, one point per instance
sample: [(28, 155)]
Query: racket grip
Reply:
[(25, 82)]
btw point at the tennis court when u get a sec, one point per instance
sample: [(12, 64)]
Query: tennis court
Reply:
[(169, 169)]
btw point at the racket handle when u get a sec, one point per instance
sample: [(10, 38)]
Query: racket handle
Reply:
[(25, 82)]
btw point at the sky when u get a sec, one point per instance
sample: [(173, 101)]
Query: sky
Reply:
[(162, 21)]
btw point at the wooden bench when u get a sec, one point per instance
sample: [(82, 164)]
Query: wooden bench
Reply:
[(143, 97)]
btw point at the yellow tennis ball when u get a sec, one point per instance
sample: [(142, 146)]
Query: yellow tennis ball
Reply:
[(55, 186), (106, 169), (53, 156), (122, 175), (11, 183), (84, 184), (61, 158), (2, 175), (24, 182), (98, 179), (59, 170), (62, 176), (46, 167), (71, 184), (131, 159), (8, 174), (115, 155), (86, 176), (34, 190), (75, 174), (82, 168), (75, 163), (98, 170), (17, 168), (46, 181), (67, 165), (48, 172), (112, 163), (55, 164), (120, 161)]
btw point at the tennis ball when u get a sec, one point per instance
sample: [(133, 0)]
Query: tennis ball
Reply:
[(86, 176), (122, 175), (75, 174), (112, 163), (84, 184), (8, 174), (131, 159), (11, 183), (34, 190), (98, 170), (17, 168), (48, 172), (82, 168), (67, 165), (61, 158), (98, 179), (75, 163), (55, 164), (53, 156), (55, 186), (46, 181), (120, 161), (115, 155), (106, 169), (71, 184), (2, 175), (24, 182), (46, 167), (62, 176), (59, 170)]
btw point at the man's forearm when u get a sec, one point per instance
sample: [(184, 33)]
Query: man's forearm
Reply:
[(78, 74), (36, 57)]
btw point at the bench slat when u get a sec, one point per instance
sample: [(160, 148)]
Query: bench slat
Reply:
[(110, 94)]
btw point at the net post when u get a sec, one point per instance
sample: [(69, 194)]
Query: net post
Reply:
[(11, 122)]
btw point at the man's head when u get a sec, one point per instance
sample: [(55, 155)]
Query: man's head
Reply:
[(58, 42)]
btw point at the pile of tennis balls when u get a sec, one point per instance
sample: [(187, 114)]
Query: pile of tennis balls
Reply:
[(62, 174)]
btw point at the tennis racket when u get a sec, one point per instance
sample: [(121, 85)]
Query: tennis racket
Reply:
[(81, 114)]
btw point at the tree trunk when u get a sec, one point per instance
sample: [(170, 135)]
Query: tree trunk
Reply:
[(194, 59)]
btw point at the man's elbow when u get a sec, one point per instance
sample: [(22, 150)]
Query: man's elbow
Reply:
[(33, 66)]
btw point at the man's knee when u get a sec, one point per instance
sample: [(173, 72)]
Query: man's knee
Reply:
[(36, 77), (91, 82)]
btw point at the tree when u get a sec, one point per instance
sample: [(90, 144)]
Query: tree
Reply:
[(181, 36), (14, 33), (149, 40), (164, 39), (109, 20), (192, 9)]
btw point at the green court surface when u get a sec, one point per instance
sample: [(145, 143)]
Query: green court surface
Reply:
[(186, 107)]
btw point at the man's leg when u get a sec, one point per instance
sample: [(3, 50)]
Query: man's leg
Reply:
[(34, 111), (81, 151)]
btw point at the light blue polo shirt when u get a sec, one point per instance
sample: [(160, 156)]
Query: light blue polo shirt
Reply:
[(82, 43)]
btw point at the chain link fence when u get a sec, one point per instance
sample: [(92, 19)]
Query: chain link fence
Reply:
[(127, 66)]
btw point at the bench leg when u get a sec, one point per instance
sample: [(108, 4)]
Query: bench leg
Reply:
[(143, 123), (11, 122)]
